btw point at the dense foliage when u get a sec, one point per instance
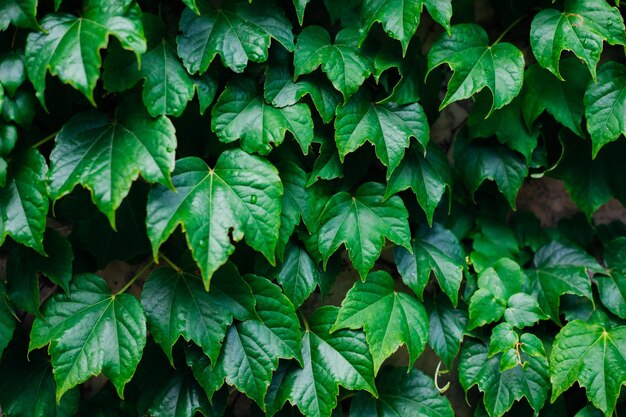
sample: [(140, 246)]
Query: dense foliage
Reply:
[(181, 183)]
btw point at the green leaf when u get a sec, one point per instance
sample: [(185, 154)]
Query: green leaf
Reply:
[(476, 65), (12, 71), (582, 28), (21, 13), (493, 242), (523, 310), (562, 99), (298, 274), (300, 5), (361, 222), (252, 348), (69, 46), (400, 18), (477, 162), (238, 31), (242, 113), (240, 196), (388, 317), (402, 394), (502, 389), (592, 356), (327, 166), (90, 332), (7, 321), (388, 127), (24, 264), (330, 360), (485, 308), (435, 250), (612, 287), (345, 65), (19, 109), (558, 253), (504, 279), (447, 326), (24, 200), (428, 174), (176, 305), (548, 284), (605, 105), (106, 155), (503, 338), (27, 387)]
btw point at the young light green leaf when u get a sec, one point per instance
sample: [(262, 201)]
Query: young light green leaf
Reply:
[(485, 308), (502, 389), (242, 113), (400, 18), (542, 91), (389, 318), (523, 310), (21, 13), (240, 197), (447, 326), (106, 155), (402, 394), (582, 28), (237, 31), (476, 65), (330, 360), (344, 63), (24, 264), (388, 127), (612, 287), (69, 46), (605, 105), (594, 357), (361, 222), (477, 162), (176, 305), (503, 338), (435, 250), (252, 348), (90, 332), (428, 174)]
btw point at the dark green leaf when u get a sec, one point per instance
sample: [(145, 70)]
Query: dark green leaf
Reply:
[(612, 287), (447, 326)]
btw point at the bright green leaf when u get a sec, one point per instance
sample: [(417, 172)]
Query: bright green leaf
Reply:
[(485, 308), (523, 310), (12, 72), (21, 13)]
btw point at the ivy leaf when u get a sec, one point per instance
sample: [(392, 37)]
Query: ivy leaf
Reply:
[(605, 106), (476, 65), (389, 318), (485, 308), (90, 332), (21, 13), (593, 356), (562, 99), (612, 287), (435, 250), (7, 320), (300, 5), (402, 394), (24, 200), (242, 113), (582, 28), (400, 18), (106, 155), (330, 360), (428, 174), (237, 31), (176, 305), (69, 46), (362, 222), (252, 348), (27, 387), (298, 274), (20, 108), (344, 63), (502, 389), (477, 162), (12, 70), (523, 310), (327, 166), (23, 264), (240, 196), (388, 127), (447, 326)]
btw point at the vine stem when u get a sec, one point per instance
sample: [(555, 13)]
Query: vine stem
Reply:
[(170, 263), (306, 323), (46, 139), (508, 29), (135, 277)]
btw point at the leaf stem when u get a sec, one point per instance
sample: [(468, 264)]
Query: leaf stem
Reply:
[(46, 139), (508, 29), (139, 274), (348, 395), (306, 323), (170, 263)]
